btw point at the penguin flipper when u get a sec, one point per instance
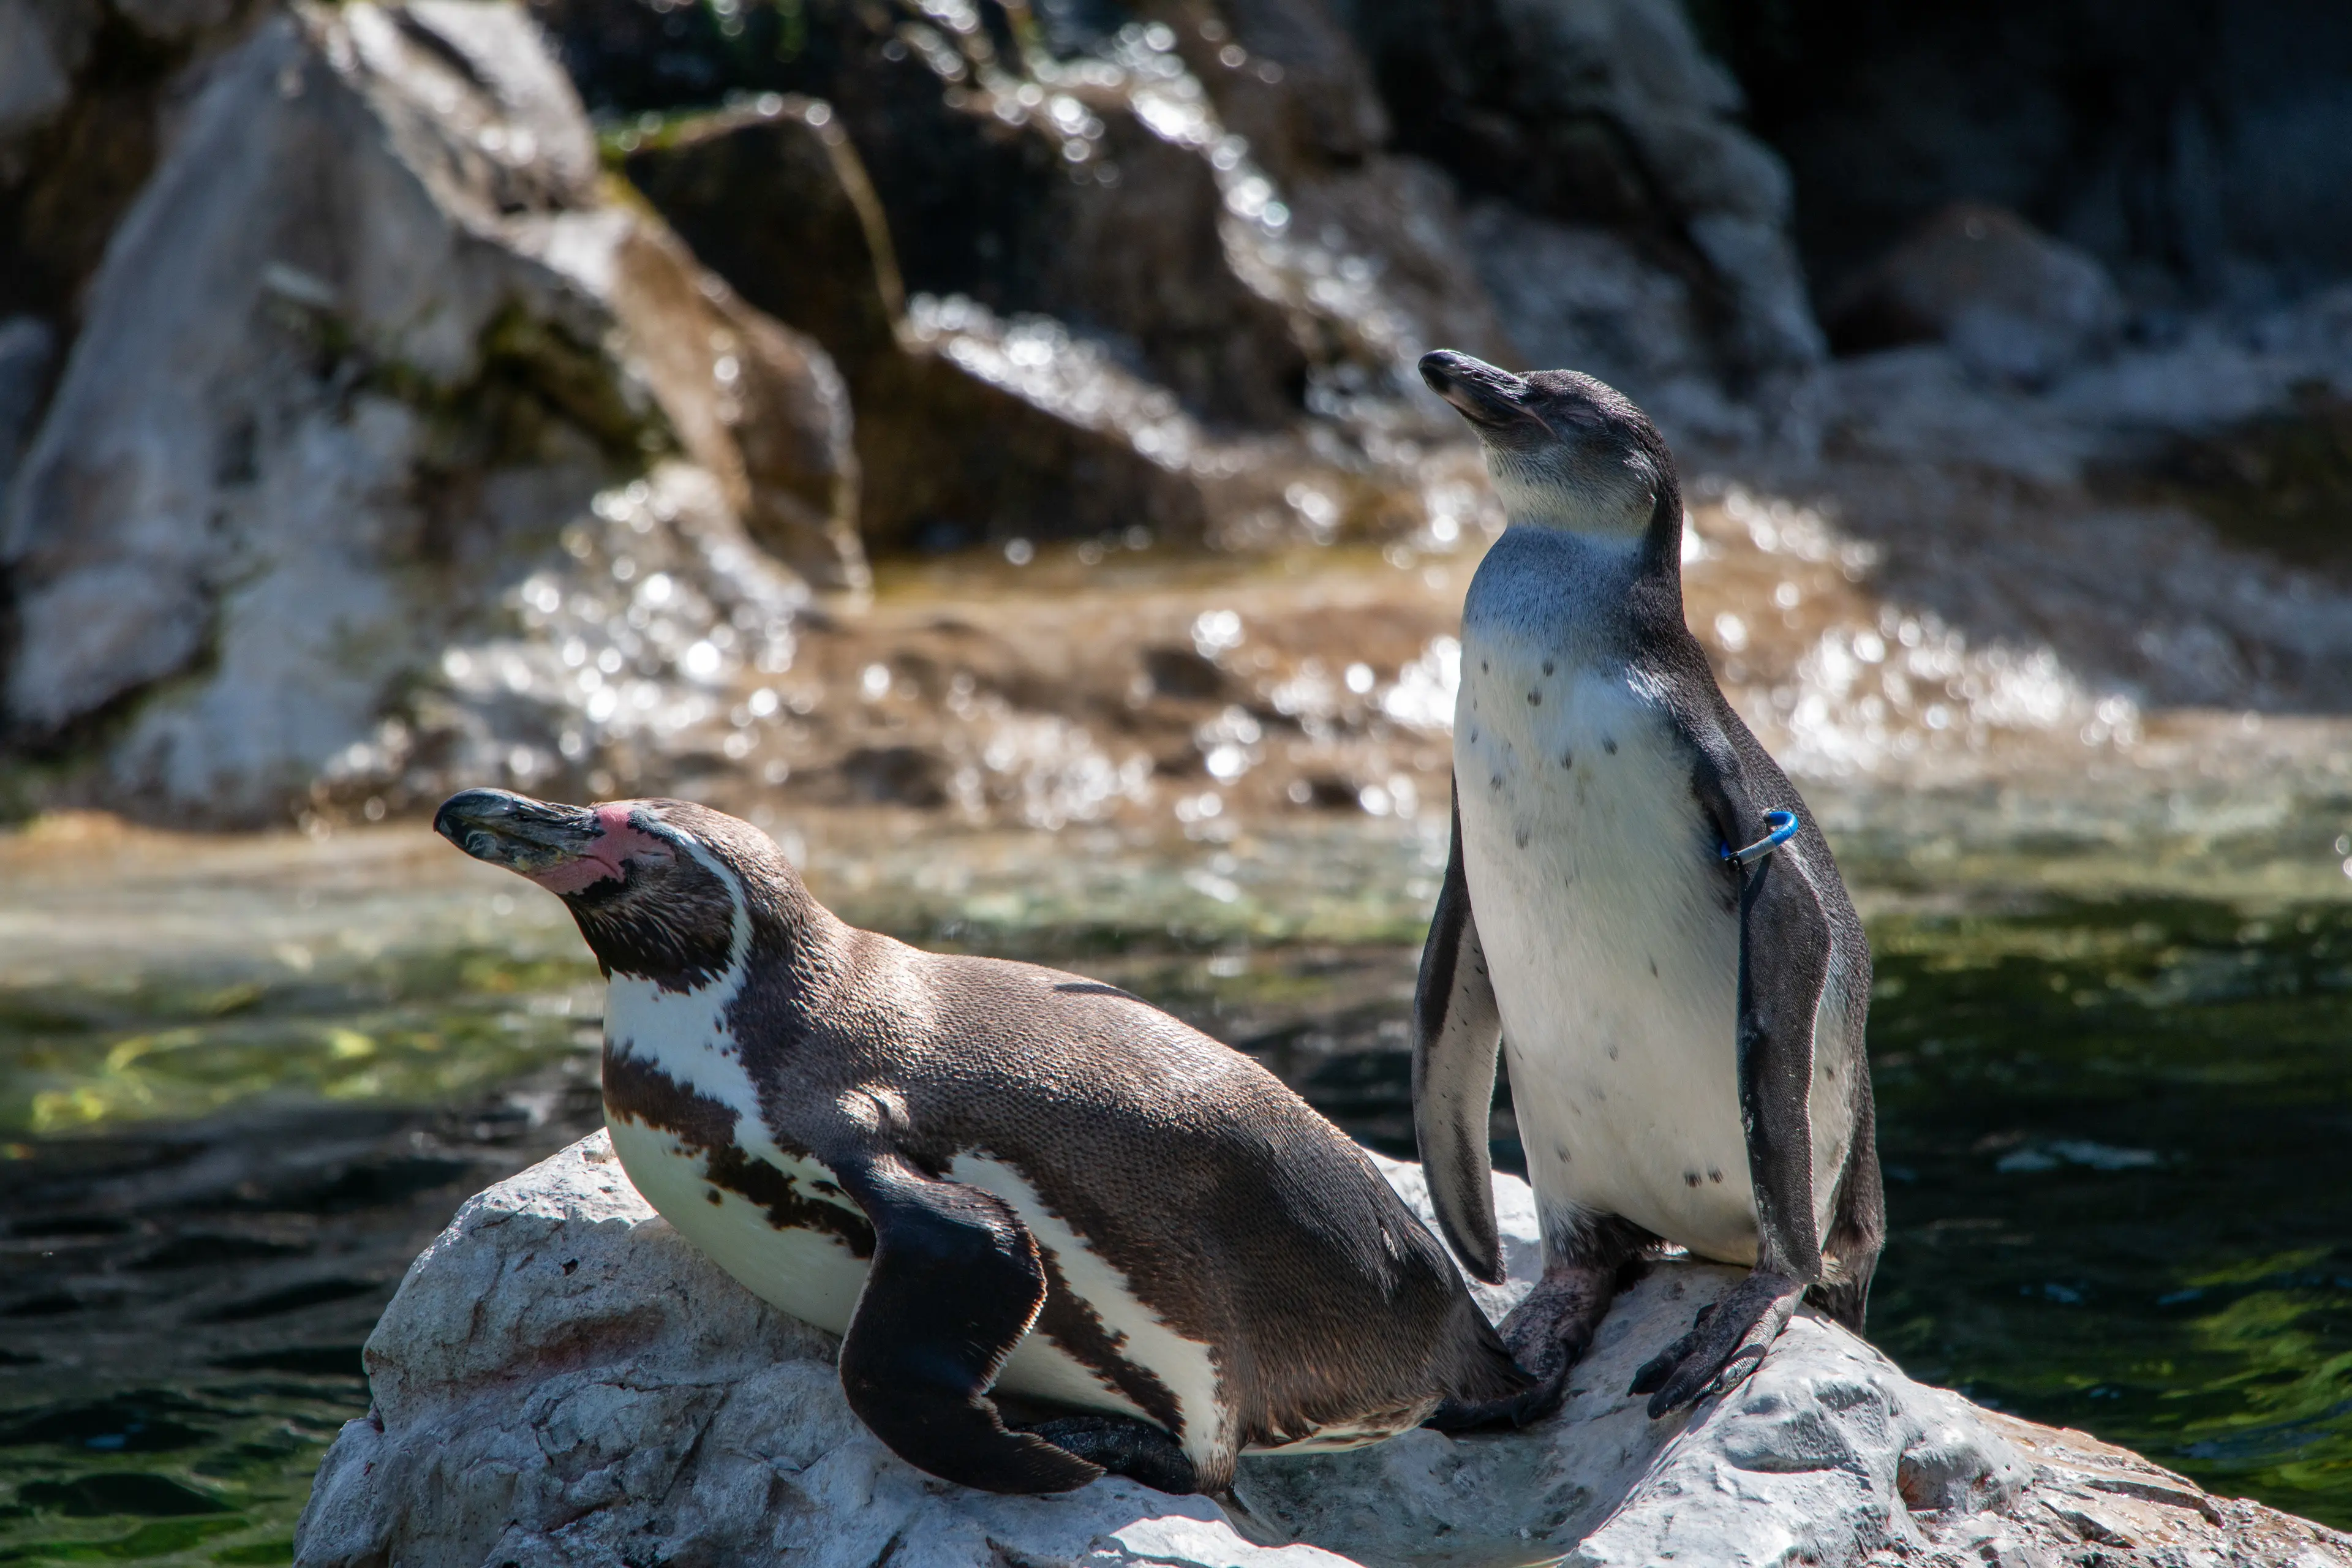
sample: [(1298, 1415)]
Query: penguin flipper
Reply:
[(955, 1283), (1786, 950), (1785, 942), (1857, 1223), (1457, 1030)]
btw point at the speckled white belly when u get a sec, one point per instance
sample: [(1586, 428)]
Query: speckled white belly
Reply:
[(811, 1274), (814, 1275), (1616, 961)]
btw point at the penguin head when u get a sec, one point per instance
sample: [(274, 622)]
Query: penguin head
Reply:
[(655, 884), (1564, 450)]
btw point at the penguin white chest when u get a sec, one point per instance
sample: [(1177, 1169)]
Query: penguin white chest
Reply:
[(685, 1120), (1612, 936)]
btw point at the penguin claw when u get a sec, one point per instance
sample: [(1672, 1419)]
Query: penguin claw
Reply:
[(1652, 1374), (1723, 1346)]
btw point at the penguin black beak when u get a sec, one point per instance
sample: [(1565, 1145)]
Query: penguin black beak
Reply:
[(535, 838), (1492, 399)]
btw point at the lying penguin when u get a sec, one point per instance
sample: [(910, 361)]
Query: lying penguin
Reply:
[(990, 1175), (1641, 909)]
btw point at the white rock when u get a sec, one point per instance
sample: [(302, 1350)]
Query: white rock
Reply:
[(336, 395), (562, 1380)]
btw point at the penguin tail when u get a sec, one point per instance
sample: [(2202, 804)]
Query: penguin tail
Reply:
[(1482, 1371), (1842, 1302)]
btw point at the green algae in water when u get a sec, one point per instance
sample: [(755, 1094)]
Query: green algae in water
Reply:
[(217, 1473), (415, 1030)]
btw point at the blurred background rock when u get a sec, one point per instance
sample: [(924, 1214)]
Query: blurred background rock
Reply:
[(395, 396)]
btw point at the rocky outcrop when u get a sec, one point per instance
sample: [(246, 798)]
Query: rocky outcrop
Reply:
[(757, 404), (1959, 403), (2012, 301), (1218, 200), (41, 47), (1155, 276), (562, 1379), (1095, 176), (1585, 296), (311, 489), (1065, 298), (971, 427), (83, 92), (1606, 113), (1108, 312), (2189, 147), (369, 340)]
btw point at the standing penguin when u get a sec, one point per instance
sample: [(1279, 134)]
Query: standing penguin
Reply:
[(989, 1175), (1643, 912)]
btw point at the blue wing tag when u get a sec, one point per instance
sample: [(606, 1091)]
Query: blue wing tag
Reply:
[(1783, 825)]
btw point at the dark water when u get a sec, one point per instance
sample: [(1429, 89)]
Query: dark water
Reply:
[(2119, 1149), (2117, 1136), (2118, 1139)]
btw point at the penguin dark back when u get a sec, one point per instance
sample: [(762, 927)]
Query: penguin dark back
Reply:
[(989, 1176)]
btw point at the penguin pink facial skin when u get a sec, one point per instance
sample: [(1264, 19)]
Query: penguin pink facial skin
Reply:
[(1059, 1232), (564, 848), (612, 844)]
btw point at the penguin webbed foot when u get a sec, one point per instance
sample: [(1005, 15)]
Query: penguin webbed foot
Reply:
[(1727, 1342), (1122, 1446)]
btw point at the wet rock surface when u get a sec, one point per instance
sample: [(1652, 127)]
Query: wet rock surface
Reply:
[(562, 1379), (1066, 298), (363, 346), (2009, 300), (1950, 406), (1609, 112), (955, 283)]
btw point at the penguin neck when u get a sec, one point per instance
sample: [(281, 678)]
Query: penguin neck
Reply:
[(1645, 550), (784, 957), (786, 923), (716, 918), (1646, 565)]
